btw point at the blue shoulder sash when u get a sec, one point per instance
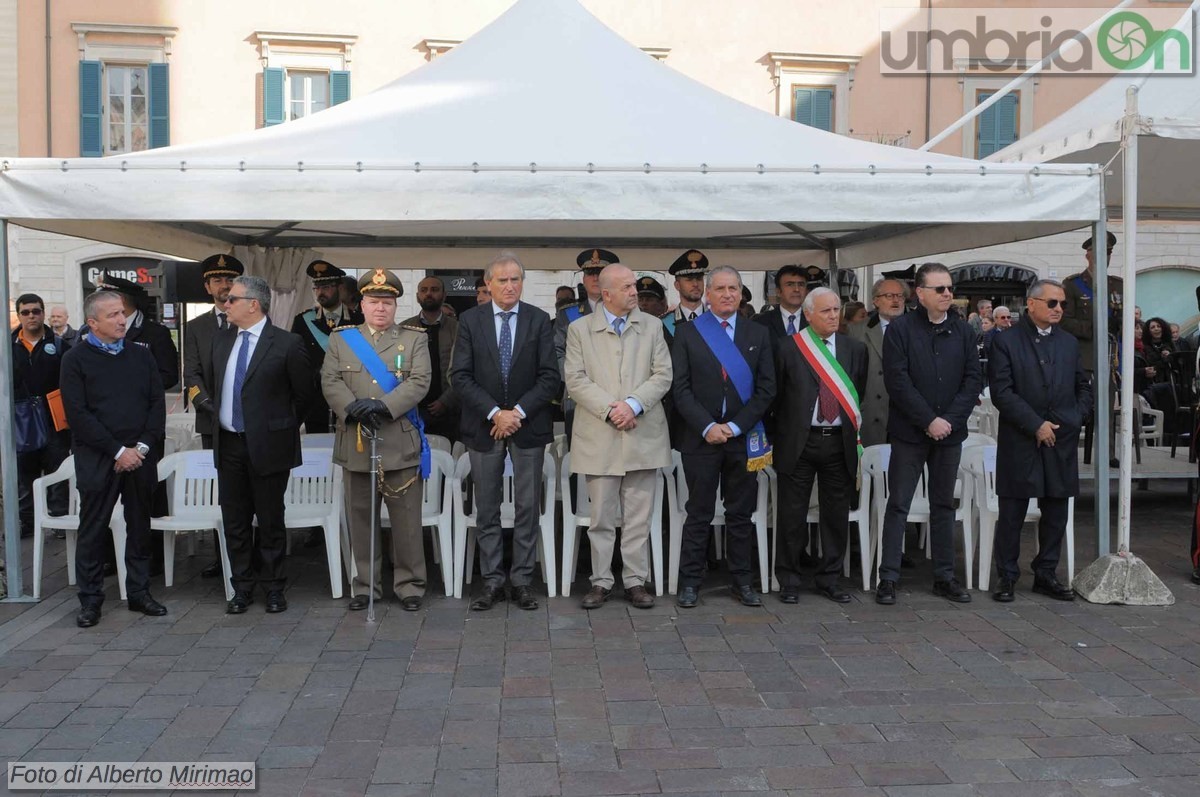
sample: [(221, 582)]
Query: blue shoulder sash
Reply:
[(758, 448), (320, 336)]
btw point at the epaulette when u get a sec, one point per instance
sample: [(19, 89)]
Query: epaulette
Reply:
[(413, 327), (344, 327)]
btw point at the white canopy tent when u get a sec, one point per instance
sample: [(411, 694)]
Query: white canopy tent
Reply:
[(544, 132), (1154, 122)]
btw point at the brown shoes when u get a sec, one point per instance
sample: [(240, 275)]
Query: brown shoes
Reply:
[(639, 597), (595, 598)]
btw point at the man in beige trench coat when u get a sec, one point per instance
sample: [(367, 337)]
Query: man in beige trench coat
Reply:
[(618, 369)]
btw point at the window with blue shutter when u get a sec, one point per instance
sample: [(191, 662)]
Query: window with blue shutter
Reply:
[(273, 96), (160, 105), (998, 126), (339, 86), (813, 107), (91, 110)]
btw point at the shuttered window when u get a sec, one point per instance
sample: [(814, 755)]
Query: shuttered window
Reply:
[(813, 107), (91, 110), (123, 107), (998, 126), (295, 93)]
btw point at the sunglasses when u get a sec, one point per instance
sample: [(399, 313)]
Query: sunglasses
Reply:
[(1051, 303), (31, 312), (938, 289), (231, 299)]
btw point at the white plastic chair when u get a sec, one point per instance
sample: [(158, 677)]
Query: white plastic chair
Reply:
[(437, 511), (193, 504), (69, 523), (1153, 423), (918, 511), (677, 497), (314, 497), (320, 440), (980, 463), (577, 516), (465, 522)]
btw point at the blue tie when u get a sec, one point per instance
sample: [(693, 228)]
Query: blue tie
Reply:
[(505, 345), (618, 325), (239, 379), (791, 330)]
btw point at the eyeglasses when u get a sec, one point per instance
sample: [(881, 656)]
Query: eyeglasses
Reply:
[(890, 296), (32, 311), (231, 298), (938, 289), (1051, 303), (1002, 317)]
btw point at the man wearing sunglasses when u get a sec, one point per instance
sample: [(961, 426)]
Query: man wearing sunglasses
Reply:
[(1043, 394), (931, 370)]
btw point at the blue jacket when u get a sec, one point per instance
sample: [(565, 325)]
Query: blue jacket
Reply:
[(930, 371)]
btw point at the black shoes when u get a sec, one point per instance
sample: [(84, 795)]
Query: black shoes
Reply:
[(952, 591), (790, 595), (1051, 586), (1196, 576), (595, 598), (745, 595), (239, 603), (147, 606), (639, 597), (212, 571), (488, 598), (276, 603), (885, 593), (688, 598), (88, 616), (1005, 591), (524, 598), (411, 604), (834, 593), (358, 603)]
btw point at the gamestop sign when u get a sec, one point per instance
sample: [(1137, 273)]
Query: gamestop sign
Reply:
[(134, 269)]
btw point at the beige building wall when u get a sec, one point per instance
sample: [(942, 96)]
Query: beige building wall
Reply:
[(753, 50)]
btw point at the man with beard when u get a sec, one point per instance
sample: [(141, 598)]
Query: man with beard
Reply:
[(688, 270), (439, 407), (314, 325)]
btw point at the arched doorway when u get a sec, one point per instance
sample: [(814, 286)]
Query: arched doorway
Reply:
[(1002, 283)]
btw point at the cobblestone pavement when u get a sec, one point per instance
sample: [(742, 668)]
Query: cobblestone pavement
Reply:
[(924, 699)]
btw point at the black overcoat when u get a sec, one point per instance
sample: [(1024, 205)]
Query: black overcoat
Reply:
[(1035, 379)]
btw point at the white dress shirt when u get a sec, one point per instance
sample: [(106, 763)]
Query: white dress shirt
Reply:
[(226, 415), (512, 329)]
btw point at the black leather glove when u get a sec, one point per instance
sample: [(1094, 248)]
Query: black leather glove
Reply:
[(359, 409)]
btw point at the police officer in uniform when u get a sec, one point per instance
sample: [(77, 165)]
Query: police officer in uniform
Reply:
[(591, 262), (688, 270), (314, 327), (350, 381), (652, 299)]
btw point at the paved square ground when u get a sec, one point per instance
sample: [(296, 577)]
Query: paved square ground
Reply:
[(924, 699)]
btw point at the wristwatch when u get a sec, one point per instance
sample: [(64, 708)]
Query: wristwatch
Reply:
[(142, 449)]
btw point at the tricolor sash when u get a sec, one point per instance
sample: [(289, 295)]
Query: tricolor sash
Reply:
[(320, 336), (833, 376), (388, 381), (758, 448)]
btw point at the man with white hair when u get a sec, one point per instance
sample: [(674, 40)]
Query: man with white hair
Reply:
[(821, 375)]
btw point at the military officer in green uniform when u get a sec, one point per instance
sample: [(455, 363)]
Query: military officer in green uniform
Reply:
[(375, 374), (314, 326)]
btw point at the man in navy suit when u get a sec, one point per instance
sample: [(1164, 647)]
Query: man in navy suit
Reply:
[(506, 374), (817, 439), (262, 385), (724, 382)]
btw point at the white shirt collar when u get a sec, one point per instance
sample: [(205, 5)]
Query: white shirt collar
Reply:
[(612, 317), (256, 330), (497, 311)]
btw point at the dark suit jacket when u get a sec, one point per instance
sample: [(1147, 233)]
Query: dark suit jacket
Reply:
[(158, 338), (773, 320), (197, 361), (874, 400), (699, 388), (275, 396), (1036, 379), (533, 380), (797, 398)]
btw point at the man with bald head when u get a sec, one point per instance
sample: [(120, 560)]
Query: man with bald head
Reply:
[(618, 369)]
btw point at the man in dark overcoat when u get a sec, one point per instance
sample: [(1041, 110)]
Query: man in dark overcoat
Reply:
[(1043, 393)]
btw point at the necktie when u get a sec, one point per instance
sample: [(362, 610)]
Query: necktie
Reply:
[(692, 316), (827, 405), (505, 346), (724, 374), (791, 330), (222, 322), (618, 325), (239, 380)]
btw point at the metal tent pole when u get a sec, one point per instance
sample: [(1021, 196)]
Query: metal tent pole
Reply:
[(8, 447)]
